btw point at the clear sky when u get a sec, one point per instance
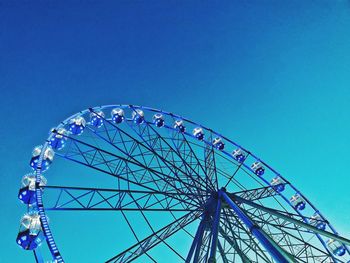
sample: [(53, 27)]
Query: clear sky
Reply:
[(272, 75)]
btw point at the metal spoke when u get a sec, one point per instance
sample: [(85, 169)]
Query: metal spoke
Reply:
[(277, 252), (106, 154), (92, 199), (222, 253), (140, 145), (252, 246), (295, 221), (155, 238), (256, 194), (145, 131)]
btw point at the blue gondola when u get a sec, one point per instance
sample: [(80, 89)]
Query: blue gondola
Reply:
[(239, 155), (298, 202), (278, 184), (179, 125), (77, 125), (218, 143), (58, 139), (27, 192), (28, 241), (198, 133), (317, 221), (96, 118), (336, 247), (257, 168), (47, 158), (30, 235), (117, 115), (138, 116), (158, 120), (26, 195)]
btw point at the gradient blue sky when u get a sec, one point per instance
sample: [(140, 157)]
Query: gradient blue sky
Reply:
[(272, 75)]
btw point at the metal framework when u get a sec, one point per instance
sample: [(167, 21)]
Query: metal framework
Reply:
[(177, 186)]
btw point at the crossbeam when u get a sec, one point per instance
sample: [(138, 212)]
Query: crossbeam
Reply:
[(104, 199)]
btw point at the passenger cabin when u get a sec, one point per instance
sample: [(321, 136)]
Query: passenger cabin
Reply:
[(138, 116), (198, 133), (298, 202), (118, 115), (46, 160), (96, 119), (158, 120), (77, 125)]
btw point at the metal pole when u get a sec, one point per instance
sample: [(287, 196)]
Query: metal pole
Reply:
[(199, 242), (195, 241), (275, 251), (215, 229)]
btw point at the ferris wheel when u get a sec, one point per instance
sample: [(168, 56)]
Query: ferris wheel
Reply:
[(169, 190)]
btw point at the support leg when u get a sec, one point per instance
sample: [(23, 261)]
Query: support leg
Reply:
[(276, 252)]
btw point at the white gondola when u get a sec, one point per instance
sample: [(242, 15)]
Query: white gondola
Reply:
[(258, 168), (239, 155), (77, 125), (317, 221), (158, 120), (58, 139), (336, 247), (138, 116), (179, 125), (47, 158), (298, 202), (198, 133), (117, 115), (218, 143), (96, 118), (30, 235), (27, 191), (278, 184)]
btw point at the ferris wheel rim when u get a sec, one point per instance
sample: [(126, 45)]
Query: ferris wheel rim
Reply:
[(38, 171)]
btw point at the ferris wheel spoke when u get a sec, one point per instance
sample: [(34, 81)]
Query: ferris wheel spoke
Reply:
[(294, 221), (173, 215), (293, 238), (155, 141), (256, 194), (233, 243), (155, 238), (101, 199), (180, 137), (150, 141), (293, 241), (153, 160), (234, 231), (188, 156), (297, 245), (210, 166), (137, 238), (89, 158), (152, 229), (222, 253), (142, 148), (236, 170), (279, 254)]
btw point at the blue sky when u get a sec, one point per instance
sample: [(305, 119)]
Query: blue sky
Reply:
[(271, 75)]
